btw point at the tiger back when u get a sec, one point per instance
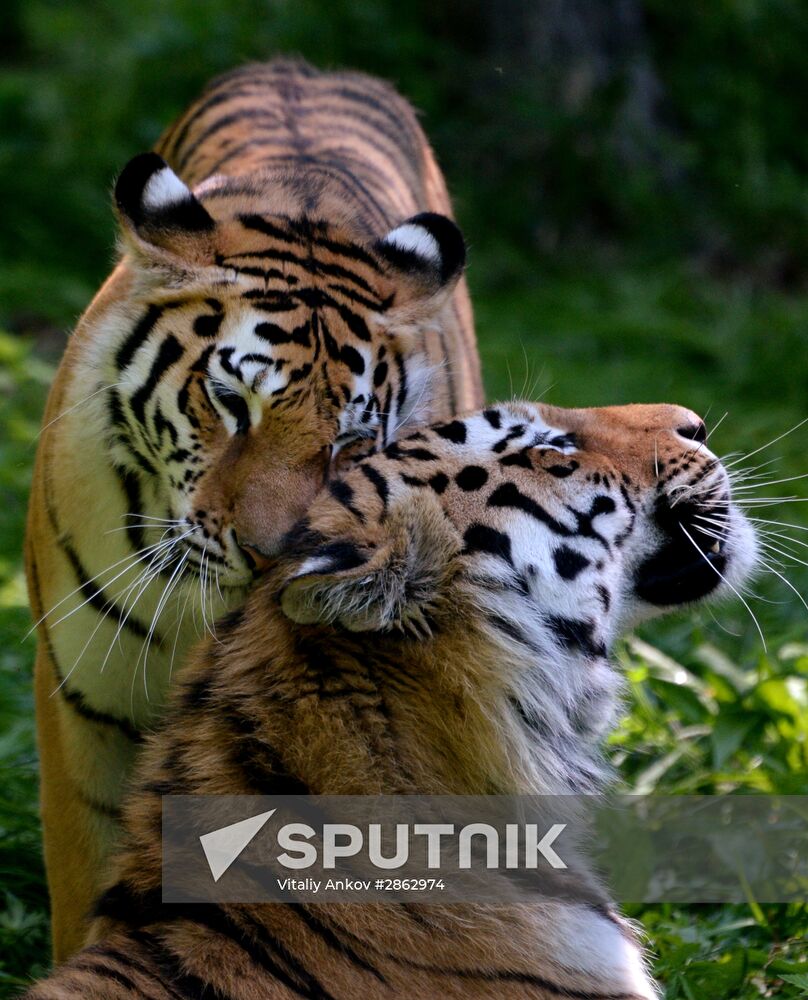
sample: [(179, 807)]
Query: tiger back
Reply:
[(289, 294)]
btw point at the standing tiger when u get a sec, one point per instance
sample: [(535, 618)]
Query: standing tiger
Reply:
[(290, 289), (440, 623)]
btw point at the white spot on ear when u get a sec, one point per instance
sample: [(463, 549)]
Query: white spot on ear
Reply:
[(163, 188), (415, 239)]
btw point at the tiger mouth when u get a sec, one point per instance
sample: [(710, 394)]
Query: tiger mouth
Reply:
[(691, 562)]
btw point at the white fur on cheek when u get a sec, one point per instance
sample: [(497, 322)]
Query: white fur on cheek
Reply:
[(417, 240), (163, 188)]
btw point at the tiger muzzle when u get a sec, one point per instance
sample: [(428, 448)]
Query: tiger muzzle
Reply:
[(691, 559)]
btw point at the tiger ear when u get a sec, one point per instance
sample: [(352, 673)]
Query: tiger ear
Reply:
[(396, 584), (158, 212), (424, 256)]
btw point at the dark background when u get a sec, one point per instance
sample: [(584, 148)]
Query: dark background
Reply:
[(632, 179), (567, 127)]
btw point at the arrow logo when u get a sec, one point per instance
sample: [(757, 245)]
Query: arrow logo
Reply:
[(224, 845)]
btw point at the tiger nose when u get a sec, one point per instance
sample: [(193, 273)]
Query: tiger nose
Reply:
[(256, 559), (690, 425)]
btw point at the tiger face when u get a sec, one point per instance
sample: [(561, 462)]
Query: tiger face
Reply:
[(533, 532), (257, 351)]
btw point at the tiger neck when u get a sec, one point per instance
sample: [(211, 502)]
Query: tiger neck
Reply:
[(399, 716)]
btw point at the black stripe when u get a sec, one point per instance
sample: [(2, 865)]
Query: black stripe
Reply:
[(276, 335), (517, 458), (262, 302), (376, 305), (576, 634), (131, 489), (508, 495), (349, 250), (259, 224), (327, 935), (403, 384), (355, 324), (169, 353), (144, 966), (378, 481), (312, 265), (71, 696), (483, 538), (259, 762), (399, 124), (179, 134), (80, 706), (252, 115), (356, 133), (341, 173), (140, 910), (513, 631), (138, 336), (76, 700), (344, 494), (85, 963), (275, 947), (418, 454), (183, 985)]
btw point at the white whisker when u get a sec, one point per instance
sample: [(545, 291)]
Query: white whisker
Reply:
[(763, 447), (180, 620), (789, 584), (154, 549), (768, 533), (770, 482), (147, 577), (737, 593), (721, 625), (174, 579), (75, 406), (780, 524), (782, 552)]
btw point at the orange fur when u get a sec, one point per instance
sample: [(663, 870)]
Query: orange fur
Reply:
[(327, 163)]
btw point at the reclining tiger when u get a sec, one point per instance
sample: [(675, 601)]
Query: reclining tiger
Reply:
[(290, 290), (440, 623)]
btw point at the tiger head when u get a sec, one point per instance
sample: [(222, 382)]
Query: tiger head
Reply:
[(525, 537), (251, 350)]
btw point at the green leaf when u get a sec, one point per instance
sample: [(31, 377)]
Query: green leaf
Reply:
[(729, 732), (799, 979)]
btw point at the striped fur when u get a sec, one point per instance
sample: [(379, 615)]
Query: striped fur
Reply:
[(290, 293), (441, 625)]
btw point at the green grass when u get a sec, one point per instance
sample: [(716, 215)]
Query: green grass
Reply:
[(23, 919), (709, 710)]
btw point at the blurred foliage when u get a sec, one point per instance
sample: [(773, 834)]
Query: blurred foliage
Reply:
[(631, 179), (24, 940), (651, 127)]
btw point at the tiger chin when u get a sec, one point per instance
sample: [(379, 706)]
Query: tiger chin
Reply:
[(440, 624), (289, 293)]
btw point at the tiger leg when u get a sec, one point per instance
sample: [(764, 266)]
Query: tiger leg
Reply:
[(78, 832)]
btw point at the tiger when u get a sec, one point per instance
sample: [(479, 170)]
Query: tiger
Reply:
[(440, 622), (290, 292)]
